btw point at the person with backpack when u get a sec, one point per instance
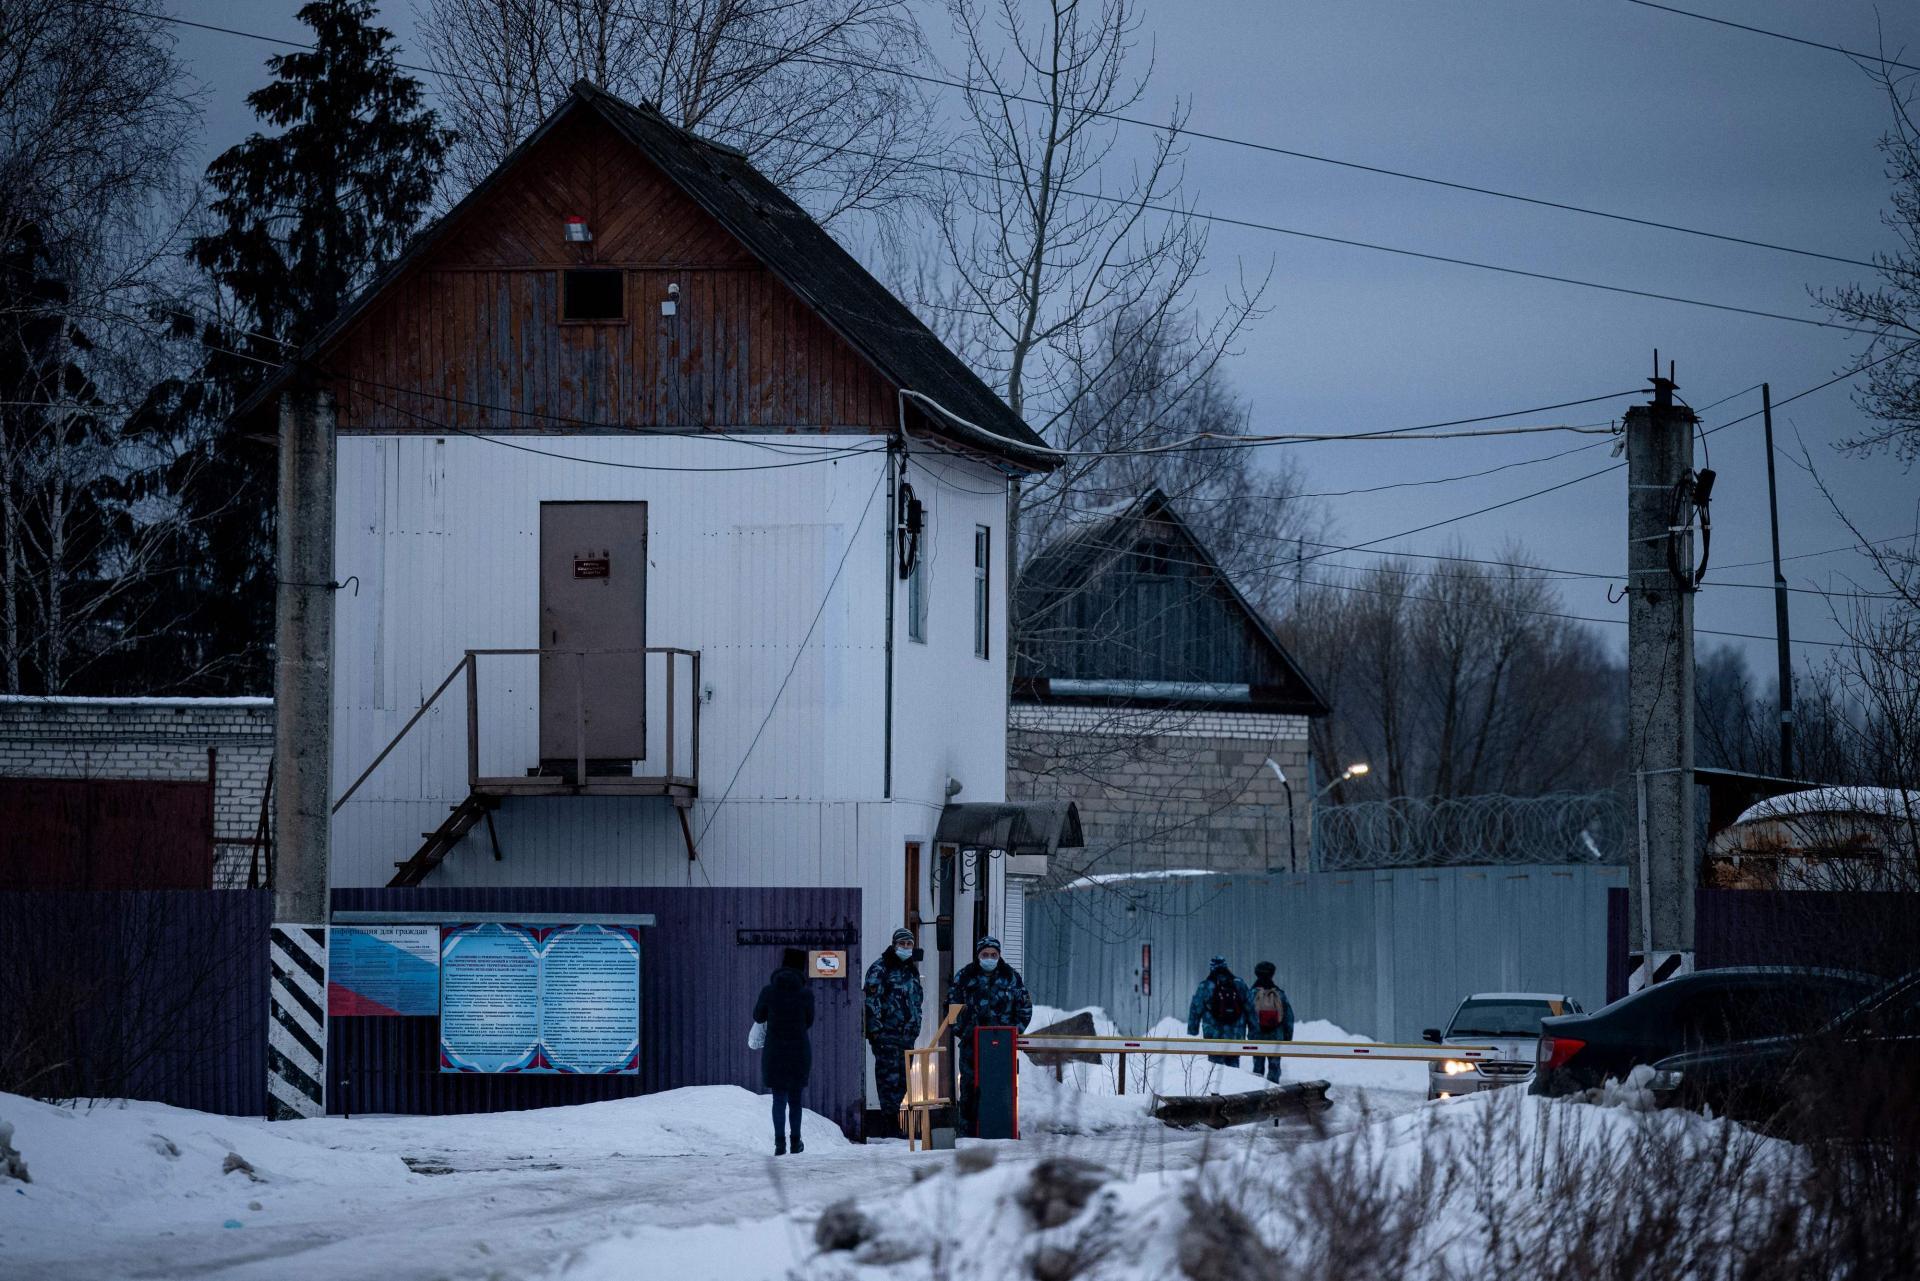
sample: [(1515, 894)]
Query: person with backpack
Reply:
[(1221, 1010), (1272, 1016)]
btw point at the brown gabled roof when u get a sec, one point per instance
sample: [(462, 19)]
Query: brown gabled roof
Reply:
[(789, 243)]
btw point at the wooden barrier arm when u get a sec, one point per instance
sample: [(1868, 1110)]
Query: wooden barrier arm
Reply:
[(923, 1076)]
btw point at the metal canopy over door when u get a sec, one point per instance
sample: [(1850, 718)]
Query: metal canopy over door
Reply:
[(593, 628)]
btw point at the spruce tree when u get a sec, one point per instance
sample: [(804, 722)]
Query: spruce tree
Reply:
[(304, 217)]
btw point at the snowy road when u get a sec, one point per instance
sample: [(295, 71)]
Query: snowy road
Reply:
[(141, 1191)]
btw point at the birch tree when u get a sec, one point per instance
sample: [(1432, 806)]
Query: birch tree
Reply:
[(1075, 274), (94, 113)]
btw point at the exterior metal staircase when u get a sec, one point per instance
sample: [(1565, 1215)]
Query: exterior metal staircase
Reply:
[(460, 820)]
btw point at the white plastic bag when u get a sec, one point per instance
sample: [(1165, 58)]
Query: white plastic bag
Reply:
[(757, 1037)]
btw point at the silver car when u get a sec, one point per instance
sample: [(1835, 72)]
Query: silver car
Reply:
[(1507, 1021)]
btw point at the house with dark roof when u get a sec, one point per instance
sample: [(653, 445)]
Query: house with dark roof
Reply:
[(1150, 691), (668, 555)]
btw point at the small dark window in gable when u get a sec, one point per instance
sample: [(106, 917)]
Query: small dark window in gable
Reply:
[(1154, 556), (593, 294)]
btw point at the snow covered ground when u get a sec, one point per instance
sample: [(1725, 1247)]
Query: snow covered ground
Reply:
[(126, 1190), (1089, 1100), (679, 1185)]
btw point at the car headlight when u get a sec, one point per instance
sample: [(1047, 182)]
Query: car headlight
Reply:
[(1667, 1079), (1455, 1067)]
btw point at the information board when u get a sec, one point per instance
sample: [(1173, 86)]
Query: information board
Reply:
[(383, 970), (517, 998)]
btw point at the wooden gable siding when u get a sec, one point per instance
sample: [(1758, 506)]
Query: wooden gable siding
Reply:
[(1153, 611), (471, 336)]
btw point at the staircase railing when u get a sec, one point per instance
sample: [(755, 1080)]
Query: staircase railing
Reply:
[(673, 779), (465, 664)]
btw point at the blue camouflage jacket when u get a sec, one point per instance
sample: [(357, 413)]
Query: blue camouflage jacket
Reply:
[(892, 1000), (1200, 1020), (998, 999)]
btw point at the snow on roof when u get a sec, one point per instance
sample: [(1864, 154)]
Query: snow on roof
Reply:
[(1885, 802), (1115, 878), (74, 700), (1518, 996)]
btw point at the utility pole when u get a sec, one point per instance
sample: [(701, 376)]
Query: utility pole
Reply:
[(1781, 637), (1660, 679), (303, 753)]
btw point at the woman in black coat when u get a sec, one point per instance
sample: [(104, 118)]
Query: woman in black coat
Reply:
[(786, 1061)]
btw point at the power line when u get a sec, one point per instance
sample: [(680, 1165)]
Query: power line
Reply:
[(1177, 211), (1223, 440), (1565, 484), (1559, 614), (1156, 127), (566, 424), (853, 451), (1778, 35), (853, 540), (1541, 573)]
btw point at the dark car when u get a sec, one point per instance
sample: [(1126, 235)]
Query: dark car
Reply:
[(1691, 1012), (1849, 1078)]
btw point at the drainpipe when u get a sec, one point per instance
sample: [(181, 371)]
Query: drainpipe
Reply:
[(896, 463)]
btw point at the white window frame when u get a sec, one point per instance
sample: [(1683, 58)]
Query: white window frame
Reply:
[(917, 599), (982, 590)]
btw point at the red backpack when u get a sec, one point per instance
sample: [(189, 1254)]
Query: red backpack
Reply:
[(1269, 1004)]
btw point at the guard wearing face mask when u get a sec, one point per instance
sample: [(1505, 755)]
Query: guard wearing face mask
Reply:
[(892, 1004), (991, 994)]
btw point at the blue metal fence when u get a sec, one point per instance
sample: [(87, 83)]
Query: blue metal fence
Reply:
[(702, 964), (1382, 953), (142, 994)]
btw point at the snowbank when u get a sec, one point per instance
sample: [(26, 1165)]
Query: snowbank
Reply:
[(146, 1164), (132, 1165), (698, 1120), (1466, 1190)]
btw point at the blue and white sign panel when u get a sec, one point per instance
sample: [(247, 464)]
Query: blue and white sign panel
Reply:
[(383, 970), (536, 999)]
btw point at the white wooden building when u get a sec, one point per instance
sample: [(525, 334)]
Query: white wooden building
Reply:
[(736, 517)]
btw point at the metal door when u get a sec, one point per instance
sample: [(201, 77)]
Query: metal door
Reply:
[(593, 597)]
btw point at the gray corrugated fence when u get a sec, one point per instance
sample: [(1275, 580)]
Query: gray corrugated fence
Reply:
[(1381, 953), (142, 994), (701, 966)]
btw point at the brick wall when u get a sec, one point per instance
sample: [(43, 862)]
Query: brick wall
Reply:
[(134, 738), (1247, 726), (1165, 789)]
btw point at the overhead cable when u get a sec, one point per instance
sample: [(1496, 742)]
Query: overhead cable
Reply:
[(1178, 211), (1856, 55), (1178, 131)]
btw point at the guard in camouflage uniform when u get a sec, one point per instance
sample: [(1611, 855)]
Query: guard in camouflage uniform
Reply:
[(892, 1003), (991, 994), (1221, 1010)]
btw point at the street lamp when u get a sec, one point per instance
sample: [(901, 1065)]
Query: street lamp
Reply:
[(1354, 770), (1293, 854)]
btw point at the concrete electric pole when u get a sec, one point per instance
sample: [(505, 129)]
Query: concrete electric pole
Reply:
[(1782, 638), (1662, 493), (303, 756)]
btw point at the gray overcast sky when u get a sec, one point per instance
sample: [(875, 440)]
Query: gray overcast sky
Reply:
[(1604, 104)]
